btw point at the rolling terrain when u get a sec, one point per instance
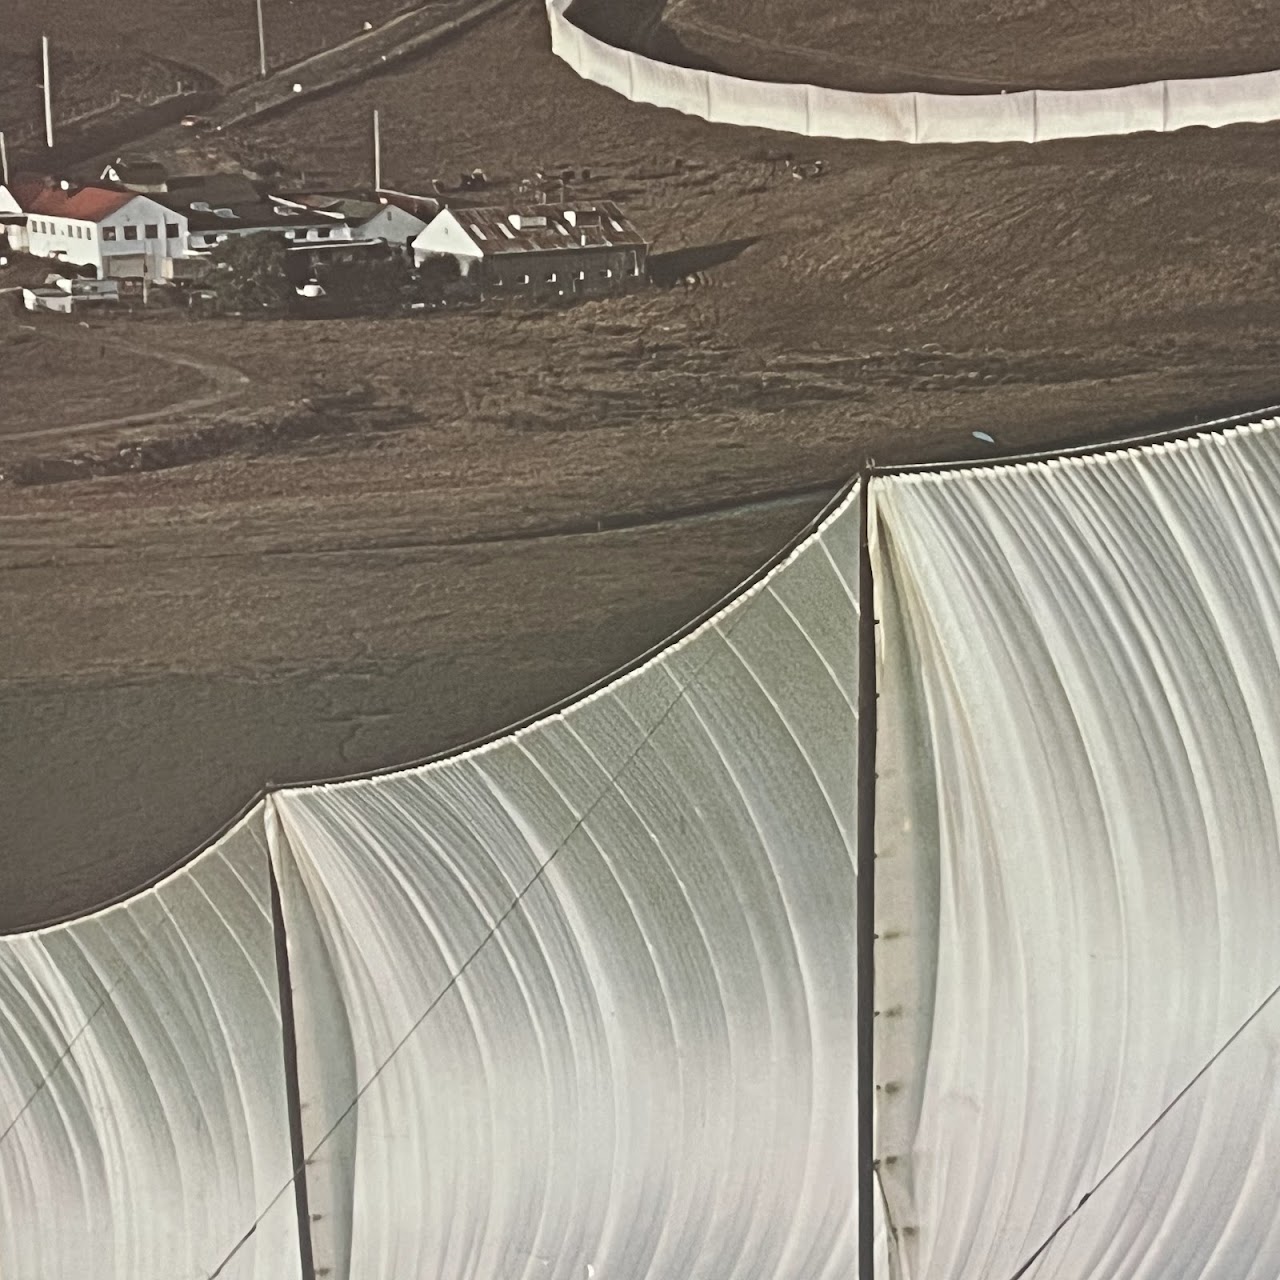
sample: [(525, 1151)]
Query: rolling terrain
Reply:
[(381, 538), (962, 46)]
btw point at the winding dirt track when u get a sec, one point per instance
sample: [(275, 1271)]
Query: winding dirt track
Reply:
[(227, 385)]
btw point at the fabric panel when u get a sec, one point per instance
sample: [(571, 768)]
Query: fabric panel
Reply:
[(1035, 115), (599, 976), (142, 1084), (1094, 775)]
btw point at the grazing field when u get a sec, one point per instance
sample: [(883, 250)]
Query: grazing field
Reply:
[(959, 46), (334, 545)]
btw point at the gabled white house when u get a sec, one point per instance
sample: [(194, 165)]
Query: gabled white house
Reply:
[(121, 234), (13, 222), (447, 236), (358, 219)]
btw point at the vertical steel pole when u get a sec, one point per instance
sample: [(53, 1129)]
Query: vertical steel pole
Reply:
[(865, 910), (377, 154), (293, 1096), (262, 43), (4, 161), (48, 99)]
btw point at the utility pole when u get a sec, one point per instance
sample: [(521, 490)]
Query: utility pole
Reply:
[(48, 103), (262, 44), (377, 154)]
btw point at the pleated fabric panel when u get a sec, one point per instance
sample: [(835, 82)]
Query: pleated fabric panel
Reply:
[(142, 1101), (581, 1002), (1079, 850)]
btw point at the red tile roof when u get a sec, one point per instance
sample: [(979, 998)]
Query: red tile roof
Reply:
[(86, 204)]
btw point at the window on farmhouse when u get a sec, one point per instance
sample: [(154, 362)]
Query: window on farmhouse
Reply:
[(524, 279), (551, 277), (323, 233), (171, 230), (131, 233), (153, 231), (607, 273), (108, 233)]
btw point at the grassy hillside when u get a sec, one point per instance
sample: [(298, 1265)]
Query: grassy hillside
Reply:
[(961, 45), (439, 552)]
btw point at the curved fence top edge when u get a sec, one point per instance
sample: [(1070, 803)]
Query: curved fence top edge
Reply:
[(756, 582), (1186, 437), (1070, 456), (136, 893), (1027, 115)]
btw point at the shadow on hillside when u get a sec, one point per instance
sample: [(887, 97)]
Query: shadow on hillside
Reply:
[(638, 25), (668, 269)]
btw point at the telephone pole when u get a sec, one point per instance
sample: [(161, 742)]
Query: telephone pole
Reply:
[(377, 154), (48, 102), (262, 43)]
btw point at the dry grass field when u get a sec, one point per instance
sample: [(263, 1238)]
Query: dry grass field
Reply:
[(403, 533), (958, 46)]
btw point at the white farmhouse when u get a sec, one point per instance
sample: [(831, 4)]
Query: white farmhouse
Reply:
[(120, 234)]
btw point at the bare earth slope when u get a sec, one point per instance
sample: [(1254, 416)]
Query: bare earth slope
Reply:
[(957, 46), (218, 37), (351, 580)]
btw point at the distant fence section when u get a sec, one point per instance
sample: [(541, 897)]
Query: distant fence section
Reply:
[(1035, 115)]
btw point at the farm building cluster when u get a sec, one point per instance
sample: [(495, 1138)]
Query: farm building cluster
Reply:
[(136, 227)]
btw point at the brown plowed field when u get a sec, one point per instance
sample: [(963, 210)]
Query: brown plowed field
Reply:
[(351, 576)]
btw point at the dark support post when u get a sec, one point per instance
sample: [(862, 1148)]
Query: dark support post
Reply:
[(292, 1094), (866, 892)]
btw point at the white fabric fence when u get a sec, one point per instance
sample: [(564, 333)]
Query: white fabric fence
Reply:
[(608, 963), (1079, 816), (582, 1001), (579, 1002), (142, 1096), (1036, 115)]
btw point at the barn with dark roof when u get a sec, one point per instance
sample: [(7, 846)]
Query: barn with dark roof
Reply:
[(543, 251)]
